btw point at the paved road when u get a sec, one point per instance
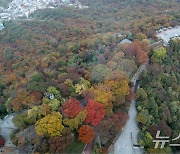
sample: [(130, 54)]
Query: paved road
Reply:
[(6, 127), (129, 135), (139, 71), (169, 33)]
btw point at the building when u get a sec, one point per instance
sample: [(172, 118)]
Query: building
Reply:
[(125, 41)]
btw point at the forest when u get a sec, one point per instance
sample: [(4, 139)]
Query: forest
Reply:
[(67, 76), (158, 98)]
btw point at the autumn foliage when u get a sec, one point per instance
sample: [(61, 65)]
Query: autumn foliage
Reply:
[(23, 99), (95, 114), (2, 141), (139, 50), (86, 134), (50, 125), (71, 107), (59, 144), (76, 121)]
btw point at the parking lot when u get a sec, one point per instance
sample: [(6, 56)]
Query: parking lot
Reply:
[(167, 33)]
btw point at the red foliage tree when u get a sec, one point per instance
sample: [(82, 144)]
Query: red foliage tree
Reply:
[(96, 112), (71, 107), (2, 141), (37, 95), (86, 134)]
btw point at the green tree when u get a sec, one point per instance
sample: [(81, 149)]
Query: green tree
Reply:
[(141, 94), (20, 120), (52, 103), (159, 54), (143, 117), (99, 73)]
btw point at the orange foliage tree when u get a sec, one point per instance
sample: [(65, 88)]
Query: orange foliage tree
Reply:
[(86, 134), (139, 50), (23, 99)]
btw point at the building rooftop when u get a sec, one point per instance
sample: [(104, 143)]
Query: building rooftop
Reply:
[(125, 41)]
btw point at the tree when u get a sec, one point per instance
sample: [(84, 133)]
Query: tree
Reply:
[(141, 94), (109, 127), (37, 112), (143, 117), (99, 73), (71, 107), (50, 125), (133, 49), (95, 111), (82, 85), (2, 141), (37, 96), (41, 145), (158, 54), (53, 90), (140, 36), (36, 83), (76, 121), (23, 99), (125, 65), (20, 121), (118, 86), (104, 95), (146, 140), (86, 134), (64, 89), (174, 45), (165, 129), (139, 50), (52, 103), (142, 57), (118, 121), (60, 144)]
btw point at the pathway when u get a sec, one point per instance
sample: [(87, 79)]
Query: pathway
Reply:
[(129, 135), (6, 127)]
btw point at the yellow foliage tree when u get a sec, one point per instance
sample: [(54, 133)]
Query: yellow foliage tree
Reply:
[(37, 112), (118, 86), (50, 125), (104, 95), (75, 122)]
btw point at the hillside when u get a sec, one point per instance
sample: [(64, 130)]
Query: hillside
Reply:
[(66, 76)]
